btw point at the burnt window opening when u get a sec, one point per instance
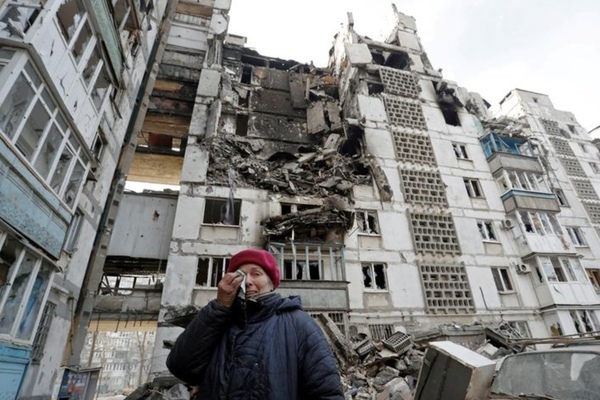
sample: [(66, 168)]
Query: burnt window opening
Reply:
[(375, 87), (210, 270), (222, 212), (99, 145), (374, 276), (290, 208), (244, 101), (398, 60), (450, 116), (286, 209), (368, 222), (241, 125), (352, 146), (256, 61), (361, 169), (298, 271), (247, 74), (378, 58)]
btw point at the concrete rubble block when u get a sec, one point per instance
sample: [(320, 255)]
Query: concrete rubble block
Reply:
[(385, 375), (364, 347), (358, 54), (398, 389), (364, 396), (218, 24), (371, 109), (399, 342), (315, 118), (209, 83)]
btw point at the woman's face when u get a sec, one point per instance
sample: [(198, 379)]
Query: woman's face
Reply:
[(257, 280)]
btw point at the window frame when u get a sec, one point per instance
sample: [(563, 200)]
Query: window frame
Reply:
[(473, 188), (373, 276), (21, 314), (503, 280), (487, 231), (561, 198), (540, 223), (237, 211), (562, 270), (460, 151), (595, 168), (594, 277), (576, 236), (68, 147), (363, 222), (222, 262)]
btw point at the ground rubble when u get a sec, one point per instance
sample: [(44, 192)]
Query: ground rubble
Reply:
[(371, 369)]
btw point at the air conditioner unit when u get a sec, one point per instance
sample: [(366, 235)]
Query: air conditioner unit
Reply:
[(523, 269), (507, 224)]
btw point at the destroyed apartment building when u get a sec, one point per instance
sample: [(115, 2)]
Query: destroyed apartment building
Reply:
[(393, 199)]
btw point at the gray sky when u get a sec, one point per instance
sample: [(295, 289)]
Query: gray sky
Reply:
[(487, 46)]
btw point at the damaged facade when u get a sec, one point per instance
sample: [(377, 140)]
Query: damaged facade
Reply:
[(70, 79), (393, 199)]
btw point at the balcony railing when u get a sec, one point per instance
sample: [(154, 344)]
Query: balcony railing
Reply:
[(310, 261)]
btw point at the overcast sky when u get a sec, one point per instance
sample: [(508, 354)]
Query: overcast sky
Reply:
[(487, 46)]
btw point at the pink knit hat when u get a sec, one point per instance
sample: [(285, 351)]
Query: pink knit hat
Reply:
[(262, 258)]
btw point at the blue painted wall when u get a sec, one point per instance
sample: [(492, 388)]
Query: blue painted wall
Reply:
[(13, 364), (28, 206)]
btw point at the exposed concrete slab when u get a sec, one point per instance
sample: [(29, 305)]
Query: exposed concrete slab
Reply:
[(372, 108), (209, 83), (359, 54), (218, 24)]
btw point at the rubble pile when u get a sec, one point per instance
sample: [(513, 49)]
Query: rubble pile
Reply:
[(320, 171)]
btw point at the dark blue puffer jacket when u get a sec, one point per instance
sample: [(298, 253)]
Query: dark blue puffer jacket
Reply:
[(270, 349)]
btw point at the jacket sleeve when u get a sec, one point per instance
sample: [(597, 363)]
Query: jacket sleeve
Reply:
[(318, 374), (195, 346)]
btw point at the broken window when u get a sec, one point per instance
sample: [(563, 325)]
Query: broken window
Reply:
[(101, 88), (99, 145), (460, 151), (15, 106), (92, 67), (222, 211), (23, 286), (595, 168), (594, 276), (576, 236), (309, 261), (486, 229), (241, 125), (368, 222), (246, 74), (210, 270), (562, 269), (473, 188), (561, 198), (450, 116), (502, 280), (374, 276), (585, 321), (540, 223), (17, 17)]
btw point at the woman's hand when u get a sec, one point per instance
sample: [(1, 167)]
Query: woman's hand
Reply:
[(228, 288)]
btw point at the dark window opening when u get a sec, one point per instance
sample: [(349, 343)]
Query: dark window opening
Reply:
[(286, 209), (560, 197), (202, 274), (241, 125), (572, 129), (210, 270), (160, 142), (247, 74), (397, 60), (375, 88), (352, 146), (450, 116), (378, 58), (244, 101), (222, 211), (374, 276)]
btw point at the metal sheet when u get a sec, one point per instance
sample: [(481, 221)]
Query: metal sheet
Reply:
[(143, 226)]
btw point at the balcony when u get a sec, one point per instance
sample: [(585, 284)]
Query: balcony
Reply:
[(529, 200), (314, 271), (513, 161)]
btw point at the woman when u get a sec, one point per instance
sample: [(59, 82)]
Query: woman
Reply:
[(256, 345)]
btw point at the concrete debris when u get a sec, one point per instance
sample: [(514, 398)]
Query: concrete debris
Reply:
[(283, 168), (308, 222)]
